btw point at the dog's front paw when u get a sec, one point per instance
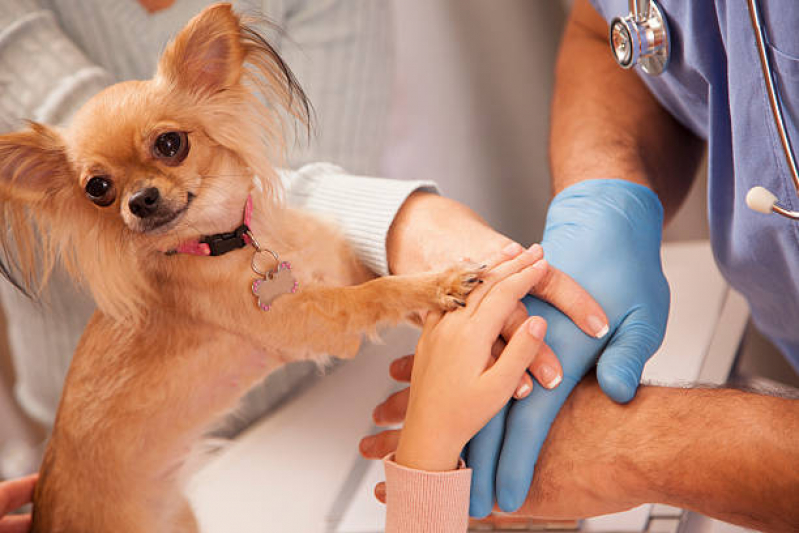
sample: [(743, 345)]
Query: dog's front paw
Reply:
[(456, 283)]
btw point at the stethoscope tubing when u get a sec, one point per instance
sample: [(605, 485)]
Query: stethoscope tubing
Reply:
[(774, 102)]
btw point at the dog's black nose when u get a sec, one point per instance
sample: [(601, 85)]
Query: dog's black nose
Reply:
[(145, 202)]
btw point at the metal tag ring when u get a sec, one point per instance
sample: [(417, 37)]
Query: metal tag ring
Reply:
[(270, 272)]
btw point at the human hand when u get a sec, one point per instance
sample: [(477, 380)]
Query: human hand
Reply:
[(454, 390), (431, 232), (606, 235), (13, 495), (577, 474)]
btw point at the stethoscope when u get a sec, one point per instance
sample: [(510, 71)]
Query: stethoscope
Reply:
[(642, 39)]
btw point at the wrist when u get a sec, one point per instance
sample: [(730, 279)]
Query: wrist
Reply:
[(642, 452), (632, 200), (609, 213), (622, 437), (431, 232), (427, 449)]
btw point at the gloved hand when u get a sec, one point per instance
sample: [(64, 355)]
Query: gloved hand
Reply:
[(606, 235)]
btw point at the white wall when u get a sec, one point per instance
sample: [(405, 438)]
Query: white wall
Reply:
[(472, 96), (472, 104)]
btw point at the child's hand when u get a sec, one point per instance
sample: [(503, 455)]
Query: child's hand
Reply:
[(453, 394), (13, 495)]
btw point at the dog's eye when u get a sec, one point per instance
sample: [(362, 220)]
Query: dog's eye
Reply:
[(100, 190), (171, 147)]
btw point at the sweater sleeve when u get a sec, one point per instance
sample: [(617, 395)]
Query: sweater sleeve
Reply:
[(365, 207), (434, 502), (44, 76)]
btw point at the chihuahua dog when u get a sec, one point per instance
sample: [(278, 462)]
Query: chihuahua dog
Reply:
[(162, 197)]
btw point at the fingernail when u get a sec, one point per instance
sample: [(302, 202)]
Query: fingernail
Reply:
[(549, 377), (522, 391), (541, 264), (598, 326), (535, 247), (513, 249), (537, 328)]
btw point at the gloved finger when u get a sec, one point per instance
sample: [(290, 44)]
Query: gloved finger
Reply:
[(621, 364), (401, 369), (393, 409), (481, 456), (379, 445), (503, 270), (546, 368), (526, 429), (559, 289), (517, 355), (380, 492)]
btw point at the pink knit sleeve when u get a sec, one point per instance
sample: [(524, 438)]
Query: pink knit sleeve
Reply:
[(433, 502)]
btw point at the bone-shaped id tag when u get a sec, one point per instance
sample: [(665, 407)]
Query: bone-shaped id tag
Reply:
[(271, 284), (276, 283)]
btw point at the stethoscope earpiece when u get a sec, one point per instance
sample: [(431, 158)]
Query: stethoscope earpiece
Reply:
[(760, 199), (764, 201)]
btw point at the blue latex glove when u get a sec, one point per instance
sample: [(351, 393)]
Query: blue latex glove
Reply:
[(606, 235)]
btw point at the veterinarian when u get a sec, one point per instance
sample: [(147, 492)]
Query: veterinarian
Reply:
[(625, 145)]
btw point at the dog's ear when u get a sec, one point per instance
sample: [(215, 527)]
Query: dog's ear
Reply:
[(33, 164), (207, 55)]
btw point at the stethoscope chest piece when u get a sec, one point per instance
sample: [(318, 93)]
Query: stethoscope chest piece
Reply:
[(641, 38)]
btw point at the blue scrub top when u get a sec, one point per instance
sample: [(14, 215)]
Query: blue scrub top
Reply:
[(714, 86)]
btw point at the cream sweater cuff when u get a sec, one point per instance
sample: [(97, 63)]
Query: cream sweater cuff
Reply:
[(364, 207)]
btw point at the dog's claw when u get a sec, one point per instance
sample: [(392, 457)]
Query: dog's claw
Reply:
[(457, 283)]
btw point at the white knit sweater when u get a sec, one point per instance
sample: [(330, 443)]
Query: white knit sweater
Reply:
[(55, 54)]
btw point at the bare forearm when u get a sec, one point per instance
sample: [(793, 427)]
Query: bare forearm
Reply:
[(606, 124), (727, 454), (724, 453)]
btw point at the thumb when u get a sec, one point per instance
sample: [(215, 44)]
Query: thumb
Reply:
[(512, 363), (621, 364)]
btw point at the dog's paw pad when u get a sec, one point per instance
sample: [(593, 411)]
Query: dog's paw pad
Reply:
[(458, 282)]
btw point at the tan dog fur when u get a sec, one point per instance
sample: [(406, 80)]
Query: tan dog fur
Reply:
[(177, 340)]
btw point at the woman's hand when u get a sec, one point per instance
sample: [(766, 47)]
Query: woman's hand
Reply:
[(13, 495), (430, 232), (454, 389)]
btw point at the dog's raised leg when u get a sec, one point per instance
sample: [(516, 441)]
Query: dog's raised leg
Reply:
[(332, 320)]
